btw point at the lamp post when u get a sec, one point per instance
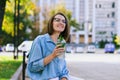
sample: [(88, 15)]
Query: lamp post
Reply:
[(16, 27), (14, 40), (18, 21)]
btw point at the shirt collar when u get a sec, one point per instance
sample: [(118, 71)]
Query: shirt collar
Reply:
[(48, 38)]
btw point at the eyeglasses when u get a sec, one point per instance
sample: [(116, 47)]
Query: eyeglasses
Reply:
[(58, 20)]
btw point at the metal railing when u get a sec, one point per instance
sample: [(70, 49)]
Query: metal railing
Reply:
[(24, 66)]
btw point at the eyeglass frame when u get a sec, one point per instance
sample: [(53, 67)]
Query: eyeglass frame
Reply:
[(58, 20)]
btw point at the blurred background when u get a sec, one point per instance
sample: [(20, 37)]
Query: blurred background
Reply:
[(94, 28), (91, 21)]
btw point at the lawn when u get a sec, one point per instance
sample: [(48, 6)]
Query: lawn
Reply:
[(8, 66)]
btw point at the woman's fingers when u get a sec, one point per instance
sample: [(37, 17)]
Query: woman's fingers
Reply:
[(57, 51), (60, 49)]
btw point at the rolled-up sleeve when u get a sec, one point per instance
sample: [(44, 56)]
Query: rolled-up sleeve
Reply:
[(65, 72), (36, 60)]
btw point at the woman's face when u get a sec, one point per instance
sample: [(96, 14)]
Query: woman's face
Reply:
[(59, 23)]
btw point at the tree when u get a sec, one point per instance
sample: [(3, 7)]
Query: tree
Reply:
[(2, 10), (8, 18), (59, 8), (28, 10), (117, 40)]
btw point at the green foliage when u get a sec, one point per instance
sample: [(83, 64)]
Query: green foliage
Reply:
[(2, 11), (74, 24), (59, 8), (6, 38), (8, 19), (102, 44), (117, 40), (114, 41), (28, 9)]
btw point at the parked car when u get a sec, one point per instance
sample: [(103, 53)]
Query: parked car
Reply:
[(79, 49), (109, 48), (68, 49), (25, 46), (91, 49), (3, 48), (0, 48), (9, 47)]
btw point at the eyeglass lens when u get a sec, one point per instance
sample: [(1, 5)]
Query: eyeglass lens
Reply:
[(58, 20)]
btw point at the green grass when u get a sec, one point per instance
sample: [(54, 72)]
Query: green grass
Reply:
[(8, 66)]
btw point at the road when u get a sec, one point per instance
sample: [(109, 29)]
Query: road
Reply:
[(94, 66)]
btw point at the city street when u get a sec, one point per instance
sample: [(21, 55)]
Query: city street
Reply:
[(94, 66)]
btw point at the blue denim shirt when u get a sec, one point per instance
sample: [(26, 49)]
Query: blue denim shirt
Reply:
[(43, 46)]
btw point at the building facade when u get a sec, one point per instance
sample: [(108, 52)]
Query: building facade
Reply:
[(98, 19)]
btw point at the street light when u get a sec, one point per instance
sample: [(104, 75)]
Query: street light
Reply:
[(14, 40), (18, 21), (16, 27)]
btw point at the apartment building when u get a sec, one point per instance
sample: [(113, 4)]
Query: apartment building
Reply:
[(105, 19), (98, 19)]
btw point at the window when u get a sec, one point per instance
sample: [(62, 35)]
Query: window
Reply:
[(99, 5), (102, 32), (113, 14), (113, 23), (108, 15), (113, 5), (96, 5), (82, 26)]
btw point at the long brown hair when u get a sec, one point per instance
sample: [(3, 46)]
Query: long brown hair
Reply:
[(65, 33)]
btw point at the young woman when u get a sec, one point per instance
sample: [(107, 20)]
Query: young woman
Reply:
[(43, 63)]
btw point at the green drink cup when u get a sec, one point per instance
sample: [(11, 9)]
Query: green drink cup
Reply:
[(61, 44)]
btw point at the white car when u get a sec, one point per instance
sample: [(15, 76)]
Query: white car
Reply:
[(79, 49), (91, 49), (25, 46), (68, 49), (9, 47)]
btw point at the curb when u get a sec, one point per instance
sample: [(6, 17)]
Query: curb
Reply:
[(17, 74)]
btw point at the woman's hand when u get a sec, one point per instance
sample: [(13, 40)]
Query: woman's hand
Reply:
[(57, 51)]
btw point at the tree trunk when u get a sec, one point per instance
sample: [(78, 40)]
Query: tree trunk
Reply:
[(2, 10)]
